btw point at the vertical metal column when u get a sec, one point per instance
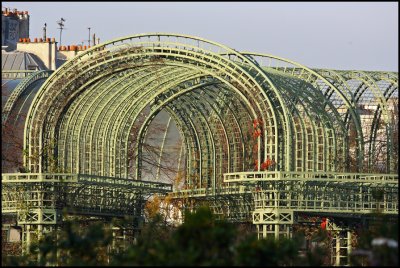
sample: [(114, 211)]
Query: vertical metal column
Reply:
[(341, 244)]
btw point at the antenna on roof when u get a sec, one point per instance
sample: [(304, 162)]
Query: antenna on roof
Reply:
[(61, 24), (89, 37), (44, 31)]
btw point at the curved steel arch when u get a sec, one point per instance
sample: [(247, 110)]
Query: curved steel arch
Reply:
[(296, 70), (35, 144), (93, 112), (379, 101)]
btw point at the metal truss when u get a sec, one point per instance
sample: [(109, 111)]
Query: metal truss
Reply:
[(15, 74), (263, 137), (40, 200), (22, 86)]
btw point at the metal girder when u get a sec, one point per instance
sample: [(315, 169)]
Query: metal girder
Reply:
[(15, 74), (78, 193)]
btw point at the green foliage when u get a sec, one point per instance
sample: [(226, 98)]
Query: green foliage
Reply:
[(201, 240), (378, 193), (204, 241), (72, 246), (381, 227), (267, 252)]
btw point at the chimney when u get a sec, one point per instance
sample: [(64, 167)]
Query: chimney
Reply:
[(94, 39)]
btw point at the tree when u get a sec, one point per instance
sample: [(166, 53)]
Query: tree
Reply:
[(200, 240), (377, 242)]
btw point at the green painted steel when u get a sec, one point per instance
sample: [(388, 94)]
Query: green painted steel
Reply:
[(262, 138), (24, 84), (15, 74)]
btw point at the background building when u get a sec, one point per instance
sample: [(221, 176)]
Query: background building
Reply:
[(14, 25)]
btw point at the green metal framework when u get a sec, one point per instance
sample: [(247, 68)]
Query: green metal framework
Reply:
[(261, 135), (22, 86)]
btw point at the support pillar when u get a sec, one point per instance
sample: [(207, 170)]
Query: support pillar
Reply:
[(35, 223), (341, 244), (273, 223)]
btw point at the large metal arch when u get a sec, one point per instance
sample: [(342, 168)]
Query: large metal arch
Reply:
[(176, 95), (82, 103), (50, 80), (109, 104), (154, 111), (274, 106), (295, 69), (219, 143), (143, 126), (214, 75), (368, 84), (340, 82), (211, 132), (135, 109), (178, 104), (128, 110), (151, 98), (303, 104), (208, 141), (81, 122)]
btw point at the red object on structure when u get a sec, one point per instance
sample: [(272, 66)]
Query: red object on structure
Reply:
[(256, 164), (265, 165), (257, 133), (268, 162), (255, 123), (323, 223), (257, 128)]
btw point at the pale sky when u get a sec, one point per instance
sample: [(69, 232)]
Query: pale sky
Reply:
[(334, 35)]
